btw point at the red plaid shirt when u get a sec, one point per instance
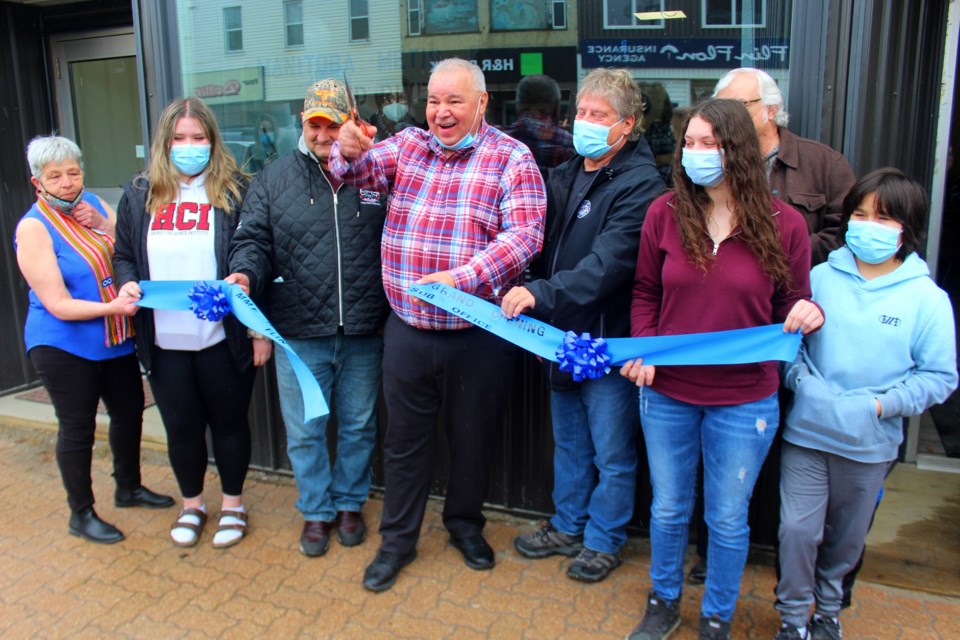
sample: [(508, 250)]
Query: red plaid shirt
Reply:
[(477, 214)]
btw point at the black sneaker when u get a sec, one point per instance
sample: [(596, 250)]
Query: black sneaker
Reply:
[(714, 628), (825, 629), (789, 632), (593, 566), (698, 573), (660, 620), (547, 541)]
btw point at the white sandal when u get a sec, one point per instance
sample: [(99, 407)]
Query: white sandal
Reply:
[(234, 525), (185, 521)]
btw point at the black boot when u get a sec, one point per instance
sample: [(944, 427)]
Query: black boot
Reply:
[(141, 497), (88, 525)]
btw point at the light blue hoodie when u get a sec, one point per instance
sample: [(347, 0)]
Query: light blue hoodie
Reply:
[(890, 338)]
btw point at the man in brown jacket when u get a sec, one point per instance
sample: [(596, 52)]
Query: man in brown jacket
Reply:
[(809, 175)]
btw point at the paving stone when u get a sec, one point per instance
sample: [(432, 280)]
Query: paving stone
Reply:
[(56, 586)]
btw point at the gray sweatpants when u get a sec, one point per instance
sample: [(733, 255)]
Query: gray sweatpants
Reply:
[(826, 503)]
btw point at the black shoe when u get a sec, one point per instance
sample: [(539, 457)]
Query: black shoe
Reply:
[(351, 529), (383, 571), (477, 554), (547, 541), (593, 566), (698, 573), (141, 497), (824, 629), (660, 620), (315, 538), (87, 525), (713, 628)]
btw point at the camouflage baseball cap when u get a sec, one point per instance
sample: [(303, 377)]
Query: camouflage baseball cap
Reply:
[(326, 99)]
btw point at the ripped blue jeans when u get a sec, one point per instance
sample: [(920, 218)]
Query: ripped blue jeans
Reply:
[(734, 441)]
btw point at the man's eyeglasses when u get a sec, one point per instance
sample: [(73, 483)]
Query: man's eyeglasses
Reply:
[(747, 103)]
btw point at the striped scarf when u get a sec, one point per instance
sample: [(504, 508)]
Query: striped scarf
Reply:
[(96, 249)]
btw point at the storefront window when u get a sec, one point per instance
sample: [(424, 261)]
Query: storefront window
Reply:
[(257, 87)]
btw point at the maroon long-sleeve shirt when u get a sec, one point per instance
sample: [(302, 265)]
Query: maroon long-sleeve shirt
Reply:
[(671, 295)]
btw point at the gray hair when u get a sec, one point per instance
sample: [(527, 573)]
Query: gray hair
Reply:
[(451, 64), (617, 87), (770, 94), (43, 150)]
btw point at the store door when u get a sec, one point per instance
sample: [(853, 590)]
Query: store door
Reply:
[(98, 103)]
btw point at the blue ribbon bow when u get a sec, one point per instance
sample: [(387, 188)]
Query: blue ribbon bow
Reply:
[(588, 357), (205, 298)]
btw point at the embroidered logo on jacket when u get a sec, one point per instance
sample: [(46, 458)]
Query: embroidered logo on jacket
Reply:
[(369, 197), (890, 320), (584, 209)]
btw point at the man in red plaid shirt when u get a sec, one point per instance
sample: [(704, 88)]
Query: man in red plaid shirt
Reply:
[(466, 209)]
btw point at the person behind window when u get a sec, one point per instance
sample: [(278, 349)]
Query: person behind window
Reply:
[(844, 429), (78, 333), (716, 253), (538, 114), (175, 222), (393, 115)]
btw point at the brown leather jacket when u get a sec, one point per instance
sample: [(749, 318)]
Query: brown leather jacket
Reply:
[(814, 178)]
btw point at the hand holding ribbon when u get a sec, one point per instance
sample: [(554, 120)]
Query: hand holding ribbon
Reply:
[(587, 357), (208, 299)]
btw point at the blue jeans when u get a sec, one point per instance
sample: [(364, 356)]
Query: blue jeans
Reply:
[(595, 460), (348, 370), (734, 440)]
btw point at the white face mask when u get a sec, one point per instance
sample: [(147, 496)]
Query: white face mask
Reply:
[(395, 111)]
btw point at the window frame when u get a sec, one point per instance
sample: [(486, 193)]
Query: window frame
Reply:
[(352, 19), (733, 12), (287, 25), (414, 7), (659, 24), (227, 31)]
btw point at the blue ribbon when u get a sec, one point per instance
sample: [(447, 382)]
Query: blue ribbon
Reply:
[(177, 295), (738, 346), (208, 302)]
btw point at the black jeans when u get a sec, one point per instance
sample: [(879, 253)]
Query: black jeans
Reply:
[(463, 378), (194, 389), (75, 386)]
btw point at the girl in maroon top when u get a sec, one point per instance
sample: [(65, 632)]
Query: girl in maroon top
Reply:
[(716, 253)]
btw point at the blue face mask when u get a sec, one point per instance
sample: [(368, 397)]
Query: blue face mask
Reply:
[(872, 242), (466, 140), (267, 138), (190, 159), (590, 138), (704, 167)]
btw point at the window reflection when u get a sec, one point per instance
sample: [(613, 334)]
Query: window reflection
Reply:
[(271, 50)]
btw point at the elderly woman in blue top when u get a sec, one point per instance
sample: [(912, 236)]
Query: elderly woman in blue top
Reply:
[(78, 332)]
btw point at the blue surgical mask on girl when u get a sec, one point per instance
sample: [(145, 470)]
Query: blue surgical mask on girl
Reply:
[(190, 159), (267, 138), (872, 242), (590, 138), (466, 140), (703, 166)]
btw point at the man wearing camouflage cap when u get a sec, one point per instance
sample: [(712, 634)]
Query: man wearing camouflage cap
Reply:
[(308, 248)]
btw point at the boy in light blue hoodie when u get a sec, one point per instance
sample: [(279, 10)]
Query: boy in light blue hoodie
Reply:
[(887, 350)]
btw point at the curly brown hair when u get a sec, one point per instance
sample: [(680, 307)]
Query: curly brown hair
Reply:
[(745, 177)]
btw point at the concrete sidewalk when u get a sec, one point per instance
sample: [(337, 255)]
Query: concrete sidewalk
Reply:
[(53, 585)]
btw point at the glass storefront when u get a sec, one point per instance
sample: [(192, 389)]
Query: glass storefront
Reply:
[(252, 60)]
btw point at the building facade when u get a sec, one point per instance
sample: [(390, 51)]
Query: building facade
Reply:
[(872, 78)]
